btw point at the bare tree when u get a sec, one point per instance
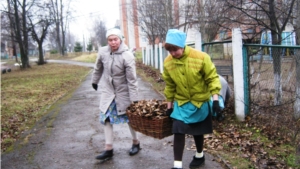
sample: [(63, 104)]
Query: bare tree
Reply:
[(272, 15), (18, 20), (39, 21), (154, 18), (61, 12), (7, 22), (99, 29), (208, 17)]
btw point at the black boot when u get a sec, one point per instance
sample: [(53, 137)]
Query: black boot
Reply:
[(134, 149), (197, 162), (105, 155)]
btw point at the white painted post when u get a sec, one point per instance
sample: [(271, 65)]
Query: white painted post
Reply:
[(143, 55), (238, 75), (147, 55), (198, 41), (161, 60), (151, 55), (156, 56)]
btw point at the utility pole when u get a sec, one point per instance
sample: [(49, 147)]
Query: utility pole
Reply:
[(83, 45)]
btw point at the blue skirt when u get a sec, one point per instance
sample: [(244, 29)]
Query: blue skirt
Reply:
[(113, 116)]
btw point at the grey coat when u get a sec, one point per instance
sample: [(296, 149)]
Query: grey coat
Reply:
[(225, 90), (117, 76)]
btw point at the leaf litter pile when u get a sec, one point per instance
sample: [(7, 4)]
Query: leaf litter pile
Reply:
[(148, 117), (154, 109), (268, 138)]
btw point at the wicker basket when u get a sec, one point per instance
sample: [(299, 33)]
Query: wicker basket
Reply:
[(156, 127)]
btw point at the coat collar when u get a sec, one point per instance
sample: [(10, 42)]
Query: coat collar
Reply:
[(185, 54), (123, 47)]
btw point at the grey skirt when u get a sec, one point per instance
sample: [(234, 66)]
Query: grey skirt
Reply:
[(200, 128)]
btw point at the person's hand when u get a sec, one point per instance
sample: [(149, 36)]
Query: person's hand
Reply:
[(169, 112), (95, 86), (216, 109)]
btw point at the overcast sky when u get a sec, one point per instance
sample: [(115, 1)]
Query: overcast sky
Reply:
[(89, 10), (86, 11)]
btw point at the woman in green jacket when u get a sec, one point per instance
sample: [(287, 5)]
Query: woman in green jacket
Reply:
[(191, 80)]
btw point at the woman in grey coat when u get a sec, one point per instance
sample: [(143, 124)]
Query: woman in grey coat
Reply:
[(116, 74)]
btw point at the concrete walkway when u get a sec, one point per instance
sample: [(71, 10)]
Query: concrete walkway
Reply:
[(70, 136)]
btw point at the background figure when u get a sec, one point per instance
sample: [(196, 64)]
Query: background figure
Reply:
[(115, 70), (191, 79), (223, 99), (225, 90)]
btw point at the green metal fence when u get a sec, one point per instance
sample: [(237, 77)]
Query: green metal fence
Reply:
[(272, 75)]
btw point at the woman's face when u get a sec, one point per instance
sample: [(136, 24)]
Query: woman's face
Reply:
[(114, 42), (177, 53)]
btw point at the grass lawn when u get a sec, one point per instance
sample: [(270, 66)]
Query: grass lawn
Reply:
[(26, 94)]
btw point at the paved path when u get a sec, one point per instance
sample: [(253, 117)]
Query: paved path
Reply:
[(70, 136)]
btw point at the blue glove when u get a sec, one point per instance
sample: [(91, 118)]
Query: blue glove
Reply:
[(217, 109)]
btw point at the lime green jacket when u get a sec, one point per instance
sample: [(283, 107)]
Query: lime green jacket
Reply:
[(193, 77)]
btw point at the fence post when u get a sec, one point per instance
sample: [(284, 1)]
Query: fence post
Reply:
[(238, 75), (151, 56), (198, 41), (156, 56), (147, 55), (143, 55), (161, 59)]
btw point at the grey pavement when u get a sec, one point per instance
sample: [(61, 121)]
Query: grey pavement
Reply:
[(70, 136)]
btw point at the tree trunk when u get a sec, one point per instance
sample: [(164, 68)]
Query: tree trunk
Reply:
[(15, 51), (62, 29), (297, 101), (12, 28), (41, 54), (63, 43), (277, 75), (22, 39), (276, 39), (58, 37), (24, 57), (297, 60)]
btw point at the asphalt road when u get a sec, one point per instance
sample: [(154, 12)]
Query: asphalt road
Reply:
[(70, 136)]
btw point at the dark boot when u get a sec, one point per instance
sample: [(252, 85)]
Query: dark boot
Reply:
[(197, 162), (105, 155), (134, 149)]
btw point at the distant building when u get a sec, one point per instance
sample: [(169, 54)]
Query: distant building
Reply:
[(131, 31), (133, 34)]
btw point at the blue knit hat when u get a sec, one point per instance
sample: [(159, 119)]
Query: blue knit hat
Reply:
[(176, 37)]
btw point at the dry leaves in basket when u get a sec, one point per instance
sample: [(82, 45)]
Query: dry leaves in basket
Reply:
[(149, 108)]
